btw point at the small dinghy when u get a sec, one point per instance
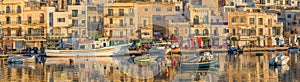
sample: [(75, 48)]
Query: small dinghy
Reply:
[(279, 60)]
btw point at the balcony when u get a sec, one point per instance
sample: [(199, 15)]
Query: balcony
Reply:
[(119, 15), (12, 12), (34, 22), (10, 22), (117, 25)]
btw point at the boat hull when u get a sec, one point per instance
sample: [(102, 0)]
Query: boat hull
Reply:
[(103, 52)]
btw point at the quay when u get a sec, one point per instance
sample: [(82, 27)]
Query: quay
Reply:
[(225, 50), (222, 50)]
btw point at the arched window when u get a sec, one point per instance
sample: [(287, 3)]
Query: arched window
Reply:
[(197, 32), (19, 20), (7, 20), (42, 18), (19, 10), (7, 9), (196, 20), (205, 32)]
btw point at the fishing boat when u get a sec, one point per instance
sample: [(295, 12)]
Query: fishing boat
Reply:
[(21, 59), (279, 60), (101, 52), (206, 59), (160, 49), (145, 58)]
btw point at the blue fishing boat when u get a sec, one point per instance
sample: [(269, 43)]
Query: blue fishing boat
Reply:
[(206, 59)]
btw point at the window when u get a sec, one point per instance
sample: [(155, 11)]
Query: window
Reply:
[(61, 19), (216, 32), (131, 21), (83, 22), (166, 0), (121, 12), (145, 22), (94, 18), (158, 9), (260, 21), (7, 20), (74, 22), (169, 9), (233, 19), (19, 10), (74, 13), (196, 20), (186, 31), (197, 32), (7, 9), (218, 20), (89, 18), (50, 19), (158, 18), (242, 19), (69, 2), (121, 34), (131, 11), (110, 12), (289, 16), (19, 20), (261, 31), (83, 32), (42, 18), (177, 8), (29, 19), (111, 21), (251, 20), (233, 31), (121, 22), (299, 21), (82, 12), (146, 9)]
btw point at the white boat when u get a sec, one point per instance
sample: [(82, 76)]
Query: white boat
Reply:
[(279, 60), (101, 52), (21, 59), (160, 49)]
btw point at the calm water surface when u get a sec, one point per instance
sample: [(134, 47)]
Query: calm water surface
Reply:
[(243, 68)]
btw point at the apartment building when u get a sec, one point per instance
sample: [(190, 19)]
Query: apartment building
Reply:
[(11, 24), (254, 27), (35, 24), (199, 18), (120, 22)]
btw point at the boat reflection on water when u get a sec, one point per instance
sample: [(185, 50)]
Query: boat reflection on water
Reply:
[(246, 67)]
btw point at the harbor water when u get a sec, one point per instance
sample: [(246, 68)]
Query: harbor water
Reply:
[(246, 67)]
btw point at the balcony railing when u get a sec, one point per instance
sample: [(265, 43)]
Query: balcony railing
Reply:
[(118, 14), (34, 22), (10, 22)]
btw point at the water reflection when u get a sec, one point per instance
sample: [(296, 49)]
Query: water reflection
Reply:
[(244, 67)]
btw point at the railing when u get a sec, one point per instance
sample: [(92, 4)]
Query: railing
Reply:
[(10, 22), (40, 34), (11, 12), (118, 14)]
